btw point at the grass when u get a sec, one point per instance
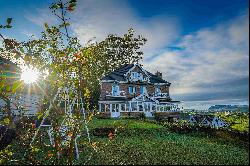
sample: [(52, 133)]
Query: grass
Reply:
[(146, 143), (140, 142), (128, 123)]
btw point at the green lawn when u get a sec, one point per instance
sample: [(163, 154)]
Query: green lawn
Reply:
[(139, 142)]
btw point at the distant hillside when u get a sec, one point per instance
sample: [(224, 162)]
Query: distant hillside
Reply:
[(242, 108)]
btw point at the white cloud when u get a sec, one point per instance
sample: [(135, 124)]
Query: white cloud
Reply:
[(97, 18), (213, 57)]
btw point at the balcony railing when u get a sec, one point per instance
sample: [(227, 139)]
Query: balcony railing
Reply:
[(161, 95), (117, 94)]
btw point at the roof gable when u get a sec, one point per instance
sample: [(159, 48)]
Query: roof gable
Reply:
[(140, 74)]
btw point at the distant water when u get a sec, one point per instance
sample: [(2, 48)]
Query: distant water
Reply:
[(204, 105)]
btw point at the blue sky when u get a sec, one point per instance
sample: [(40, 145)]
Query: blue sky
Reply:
[(200, 46)]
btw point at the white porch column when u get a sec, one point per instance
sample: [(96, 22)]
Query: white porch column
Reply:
[(105, 107), (143, 107), (150, 107), (137, 106), (110, 107), (120, 107), (100, 107), (130, 106)]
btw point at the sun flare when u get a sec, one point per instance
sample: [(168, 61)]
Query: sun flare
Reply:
[(29, 75)]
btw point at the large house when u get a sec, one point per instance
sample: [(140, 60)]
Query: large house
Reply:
[(132, 89)]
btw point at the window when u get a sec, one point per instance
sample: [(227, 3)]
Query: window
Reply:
[(131, 89), (135, 76), (123, 106), (157, 89), (115, 90), (143, 89)]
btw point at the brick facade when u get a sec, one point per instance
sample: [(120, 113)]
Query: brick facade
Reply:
[(107, 87), (151, 88)]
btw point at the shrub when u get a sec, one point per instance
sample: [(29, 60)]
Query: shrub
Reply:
[(103, 131), (133, 115), (24, 122), (142, 116), (164, 116), (6, 135), (103, 115), (185, 128)]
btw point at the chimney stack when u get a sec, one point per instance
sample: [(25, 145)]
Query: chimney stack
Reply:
[(158, 74)]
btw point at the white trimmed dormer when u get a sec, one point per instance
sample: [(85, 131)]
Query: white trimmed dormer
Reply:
[(137, 73), (137, 76)]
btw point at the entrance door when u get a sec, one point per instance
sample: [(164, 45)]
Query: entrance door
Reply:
[(115, 113), (147, 107)]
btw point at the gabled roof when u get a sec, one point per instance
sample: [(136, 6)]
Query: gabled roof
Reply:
[(119, 75)]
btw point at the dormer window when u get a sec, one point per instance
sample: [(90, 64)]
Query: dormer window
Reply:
[(157, 90), (135, 76)]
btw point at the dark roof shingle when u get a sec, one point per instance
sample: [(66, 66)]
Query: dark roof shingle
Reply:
[(119, 75)]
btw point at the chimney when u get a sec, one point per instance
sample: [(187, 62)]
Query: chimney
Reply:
[(158, 74)]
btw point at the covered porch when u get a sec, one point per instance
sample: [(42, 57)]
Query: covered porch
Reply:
[(116, 108)]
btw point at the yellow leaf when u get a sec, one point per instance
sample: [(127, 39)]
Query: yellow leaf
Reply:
[(6, 121)]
